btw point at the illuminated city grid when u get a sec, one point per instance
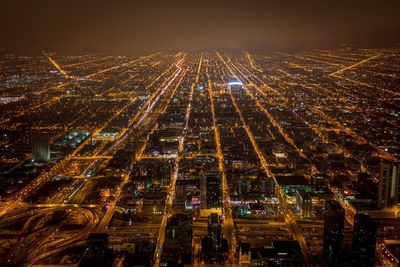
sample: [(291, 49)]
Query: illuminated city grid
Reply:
[(129, 145)]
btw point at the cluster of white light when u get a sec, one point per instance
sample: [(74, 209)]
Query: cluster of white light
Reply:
[(9, 99), (235, 83)]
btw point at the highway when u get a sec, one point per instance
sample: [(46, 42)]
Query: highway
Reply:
[(355, 65), (56, 65)]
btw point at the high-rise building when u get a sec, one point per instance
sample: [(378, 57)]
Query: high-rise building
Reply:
[(267, 185), (211, 190), (214, 248), (318, 182), (41, 148), (177, 247), (242, 186), (364, 241), (333, 232), (97, 252), (389, 182), (214, 229), (304, 203)]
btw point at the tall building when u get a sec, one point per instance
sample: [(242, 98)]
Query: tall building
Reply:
[(318, 183), (364, 241), (177, 247), (333, 232), (97, 252), (41, 148), (267, 185), (304, 203), (389, 182), (242, 186), (214, 248), (211, 190), (214, 229)]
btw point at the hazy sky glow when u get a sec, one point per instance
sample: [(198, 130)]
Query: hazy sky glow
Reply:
[(151, 24)]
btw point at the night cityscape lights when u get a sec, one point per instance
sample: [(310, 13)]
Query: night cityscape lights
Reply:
[(199, 133), (201, 158)]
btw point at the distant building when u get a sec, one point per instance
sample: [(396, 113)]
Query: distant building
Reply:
[(364, 241), (242, 186), (41, 148), (367, 189), (292, 184), (235, 85), (389, 183), (244, 254), (333, 232), (390, 251), (267, 185), (304, 203), (318, 183)]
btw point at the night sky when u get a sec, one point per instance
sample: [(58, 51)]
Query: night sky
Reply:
[(175, 24)]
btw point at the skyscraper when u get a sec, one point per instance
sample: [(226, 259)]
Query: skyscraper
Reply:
[(211, 190), (214, 247), (41, 148), (388, 191), (333, 232), (318, 183), (214, 229), (97, 252), (364, 241), (304, 203), (177, 247)]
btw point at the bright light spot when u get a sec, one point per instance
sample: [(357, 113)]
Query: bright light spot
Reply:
[(235, 83)]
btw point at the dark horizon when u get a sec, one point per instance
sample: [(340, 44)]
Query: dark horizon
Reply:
[(195, 25)]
